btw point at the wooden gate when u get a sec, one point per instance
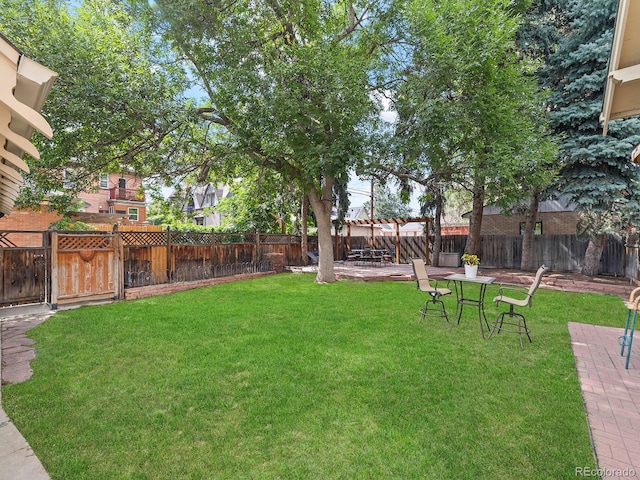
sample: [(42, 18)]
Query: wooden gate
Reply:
[(85, 267), (23, 268)]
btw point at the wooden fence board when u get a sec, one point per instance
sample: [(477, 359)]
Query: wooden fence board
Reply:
[(94, 265), (85, 267), (410, 247), (23, 276), (562, 253)]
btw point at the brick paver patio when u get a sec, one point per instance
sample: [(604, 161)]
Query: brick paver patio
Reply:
[(612, 399)]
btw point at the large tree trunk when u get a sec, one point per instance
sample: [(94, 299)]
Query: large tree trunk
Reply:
[(437, 231), (304, 213), (593, 254), (322, 205), (526, 262), (475, 223)]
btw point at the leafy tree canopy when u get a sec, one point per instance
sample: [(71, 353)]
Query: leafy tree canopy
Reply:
[(387, 204), (254, 207), (117, 104), (470, 112), (288, 87), (595, 171)]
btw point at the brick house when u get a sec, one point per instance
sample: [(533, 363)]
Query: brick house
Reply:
[(118, 199), (117, 194), (555, 217)]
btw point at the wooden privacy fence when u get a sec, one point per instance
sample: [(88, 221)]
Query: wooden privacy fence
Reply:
[(24, 275), (70, 267), (152, 258), (66, 267), (562, 253), (85, 266), (408, 247)]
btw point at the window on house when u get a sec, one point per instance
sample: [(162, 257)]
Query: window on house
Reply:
[(122, 183), (121, 212), (536, 231), (69, 181), (133, 214), (104, 180), (199, 221)]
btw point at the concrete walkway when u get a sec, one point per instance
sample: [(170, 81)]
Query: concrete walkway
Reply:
[(17, 460), (611, 394)]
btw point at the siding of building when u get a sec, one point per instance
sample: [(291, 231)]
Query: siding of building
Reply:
[(553, 223)]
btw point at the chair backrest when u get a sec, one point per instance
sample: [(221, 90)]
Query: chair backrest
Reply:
[(420, 271), (536, 282)]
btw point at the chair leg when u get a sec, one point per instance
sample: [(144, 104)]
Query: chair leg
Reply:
[(521, 319), (520, 325), (526, 330), (495, 325), (626, 364), (441, 312), (623, 338), (626, 340)]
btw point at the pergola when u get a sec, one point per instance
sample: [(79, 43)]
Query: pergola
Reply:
[(24, 86), (390, 221)]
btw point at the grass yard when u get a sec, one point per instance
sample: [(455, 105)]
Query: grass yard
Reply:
[(281, 378)]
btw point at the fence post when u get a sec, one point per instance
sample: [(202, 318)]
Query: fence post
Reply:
[(256, 256), (213, 251), (118, 263), (54, 270), (426, 239), (397, 241), (169, 269), (46, 244)]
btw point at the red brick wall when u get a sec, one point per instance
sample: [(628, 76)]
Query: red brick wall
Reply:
[(29, 220), (456, 230), (562, 223), (32, 220)]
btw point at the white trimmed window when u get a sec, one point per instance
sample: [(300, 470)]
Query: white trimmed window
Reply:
[(104, 180), (133, 214)]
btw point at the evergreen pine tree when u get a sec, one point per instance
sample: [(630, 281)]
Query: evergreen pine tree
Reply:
[(596, 172)]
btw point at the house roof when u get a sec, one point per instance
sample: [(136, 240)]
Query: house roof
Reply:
[(622, 93), (199, 194), (561, 204), (24, 87)]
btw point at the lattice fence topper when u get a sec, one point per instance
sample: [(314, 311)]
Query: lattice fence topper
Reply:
[(144, 238), (275, 239), (235, 238), (69, 243), (191, 238), (201, 238)]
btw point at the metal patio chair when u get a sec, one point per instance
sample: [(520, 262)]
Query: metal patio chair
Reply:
[(516, 320), (433, 300), (626, 340)]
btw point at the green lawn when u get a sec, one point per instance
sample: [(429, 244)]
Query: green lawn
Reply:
[(281, 378)]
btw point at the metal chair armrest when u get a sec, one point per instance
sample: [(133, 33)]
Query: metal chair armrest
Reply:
[(634, 297), (441, 280), (512, 287)]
